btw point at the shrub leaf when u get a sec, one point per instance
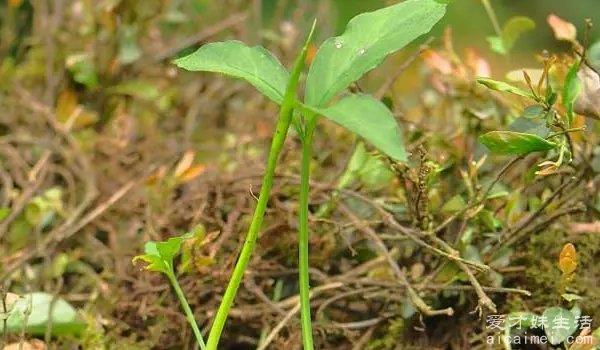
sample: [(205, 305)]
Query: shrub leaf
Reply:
[(514, 143), (504, 87), (571, 89)]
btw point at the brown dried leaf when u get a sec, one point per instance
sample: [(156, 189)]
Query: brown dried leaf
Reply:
[(191, 173), (585, 341), (588, 100), (185, 163), (9, 300), (586, 227)]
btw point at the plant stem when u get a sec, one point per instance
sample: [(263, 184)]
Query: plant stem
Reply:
[(565, 131), (304, 278), (189, 315), (492, 15), (283, 123)]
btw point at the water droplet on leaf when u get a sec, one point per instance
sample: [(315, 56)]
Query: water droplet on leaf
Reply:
[(338, 44)]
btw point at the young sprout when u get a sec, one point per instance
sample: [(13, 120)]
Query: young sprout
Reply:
[(339, 62)]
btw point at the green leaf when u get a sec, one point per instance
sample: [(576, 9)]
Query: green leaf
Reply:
[(570, 297), (529, 126), (142, 89), (83, 70), (159, 255), (471, 253), (561, 324), (501, 257), (129, 51), (504, 87), (534, 111), (370, 119), (514, 28), (571, 89), (33, 312), (514, 143), (597, 334), (498, 191), (488, 218), (454, 205), (256, 65), (511, 32), (496, 44), (4, 212), (374, 173), (368, 39), (593, 54)]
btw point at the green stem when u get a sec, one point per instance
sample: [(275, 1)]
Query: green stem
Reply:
[(189, 315), (492, 15), (283, 123), (304, 278), (565, 131)]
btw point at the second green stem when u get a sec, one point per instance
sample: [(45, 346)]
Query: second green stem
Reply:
[(303, 237), (189, 314)]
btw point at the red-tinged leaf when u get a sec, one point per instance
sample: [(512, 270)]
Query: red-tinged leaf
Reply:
[(436, 61), (562, 29), (477, 64)]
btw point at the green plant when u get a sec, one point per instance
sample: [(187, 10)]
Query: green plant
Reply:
[(506, 37), (339, 62), (532, 131), (159, 256)]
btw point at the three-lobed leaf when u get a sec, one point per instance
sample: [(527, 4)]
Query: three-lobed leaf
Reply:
[(514, 143), (159, 255), (370, 119), (368, 39), (255, 64)]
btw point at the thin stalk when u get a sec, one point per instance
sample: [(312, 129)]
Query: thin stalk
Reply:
[(283, 124), (492, 15), (304, 278), (189, 315), (565, 131)]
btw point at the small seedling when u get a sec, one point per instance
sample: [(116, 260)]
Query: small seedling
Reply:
[(339, 62), (159, 256)]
